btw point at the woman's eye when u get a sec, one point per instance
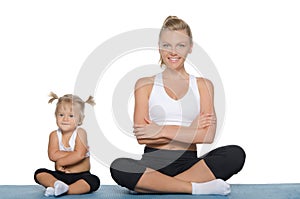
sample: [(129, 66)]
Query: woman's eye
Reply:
[(60, 115), (181, 45), (71, 116)]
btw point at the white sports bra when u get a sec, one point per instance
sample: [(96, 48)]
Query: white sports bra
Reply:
[(164, 110), (72, 139)]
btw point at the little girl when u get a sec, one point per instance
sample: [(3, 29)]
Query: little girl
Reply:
[(69, 150)]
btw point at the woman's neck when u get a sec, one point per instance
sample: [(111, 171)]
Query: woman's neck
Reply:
[(175, 74)]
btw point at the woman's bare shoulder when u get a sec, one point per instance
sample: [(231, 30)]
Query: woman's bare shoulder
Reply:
[(144, 82), (204, 83)]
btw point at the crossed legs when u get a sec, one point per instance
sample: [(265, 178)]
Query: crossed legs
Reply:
[(204, 182), (78, 187), (206, 176), (58, 183)]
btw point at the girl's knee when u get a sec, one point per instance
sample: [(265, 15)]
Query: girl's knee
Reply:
[(93, 181), (38, 172)]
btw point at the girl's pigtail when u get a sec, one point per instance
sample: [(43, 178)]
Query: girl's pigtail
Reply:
[(54, 97), (90, 101)]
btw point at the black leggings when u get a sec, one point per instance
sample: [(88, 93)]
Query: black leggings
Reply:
[(223, 162), (70, 178)]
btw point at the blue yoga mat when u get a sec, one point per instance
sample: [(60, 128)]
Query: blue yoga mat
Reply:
[(238, 191)]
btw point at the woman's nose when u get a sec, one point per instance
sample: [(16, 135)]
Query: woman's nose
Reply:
[(173, 51)]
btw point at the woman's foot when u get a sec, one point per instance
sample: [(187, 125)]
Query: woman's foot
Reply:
[(216, 186)]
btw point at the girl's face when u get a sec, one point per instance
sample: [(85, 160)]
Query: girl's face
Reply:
[(67, 117), (174, 46)]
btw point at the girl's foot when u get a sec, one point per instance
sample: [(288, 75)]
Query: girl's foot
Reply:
[(60, 188)]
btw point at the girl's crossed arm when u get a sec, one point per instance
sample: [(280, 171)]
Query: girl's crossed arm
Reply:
[(67, 158)]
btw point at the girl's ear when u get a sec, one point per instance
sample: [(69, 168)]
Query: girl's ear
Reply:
[(81, 120), (191, 48)]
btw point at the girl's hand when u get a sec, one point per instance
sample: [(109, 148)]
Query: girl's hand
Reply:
[(204, 120), (63, 169), (66, 170), (147, 131), (59, 167)]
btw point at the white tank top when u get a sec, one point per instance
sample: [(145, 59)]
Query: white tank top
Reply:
[(72, 139), (164, 110)]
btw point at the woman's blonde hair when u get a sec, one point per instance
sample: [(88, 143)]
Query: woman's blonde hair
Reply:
[(74, 100), (173, 23)]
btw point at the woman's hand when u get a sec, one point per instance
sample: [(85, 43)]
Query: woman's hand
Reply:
[(150, 130), (204, 120)]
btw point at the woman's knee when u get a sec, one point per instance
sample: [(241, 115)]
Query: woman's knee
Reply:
[(116, 168), (239, 156), (126, 172), (235, 160), (226, 161)]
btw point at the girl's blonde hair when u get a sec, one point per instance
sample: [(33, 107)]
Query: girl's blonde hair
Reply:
[(173, 23), (74, 100)]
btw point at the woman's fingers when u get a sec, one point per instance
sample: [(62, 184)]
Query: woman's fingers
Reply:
[(147, 120), (138, 130), (206, 120), (139, 125), (207, 116)]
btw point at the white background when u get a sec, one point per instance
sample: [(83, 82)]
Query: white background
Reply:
[(253, 44)]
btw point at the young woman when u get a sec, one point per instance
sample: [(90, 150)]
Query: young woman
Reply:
[(69, 150), (174, 111)]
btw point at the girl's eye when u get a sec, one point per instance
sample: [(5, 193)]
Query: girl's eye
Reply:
[(181, 45), (60, 115), (166, 45), (71, 116)]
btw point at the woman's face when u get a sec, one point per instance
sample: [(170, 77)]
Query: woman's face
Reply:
[(174, 46)]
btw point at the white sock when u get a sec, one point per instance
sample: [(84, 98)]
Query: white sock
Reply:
[(49, 191), (60, 188), (216, 186), (133, 192)]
